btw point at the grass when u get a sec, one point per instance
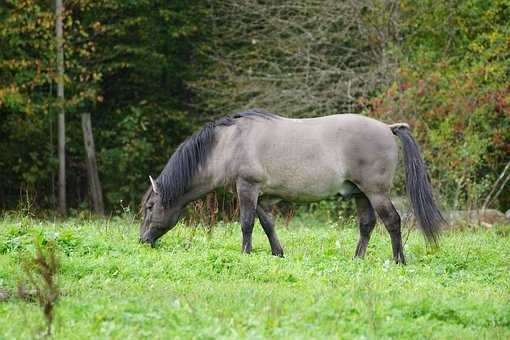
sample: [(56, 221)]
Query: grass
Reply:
[(196, 284)]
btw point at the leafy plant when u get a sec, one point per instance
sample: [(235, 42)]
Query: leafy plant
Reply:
[(41, 275)]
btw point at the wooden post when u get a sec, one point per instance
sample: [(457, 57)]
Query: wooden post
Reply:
[(92, 174), (59, 30)]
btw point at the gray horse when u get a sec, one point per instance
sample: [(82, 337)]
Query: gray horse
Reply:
[(269, 158)]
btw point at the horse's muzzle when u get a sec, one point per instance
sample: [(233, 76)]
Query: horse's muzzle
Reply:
[(143, 240)]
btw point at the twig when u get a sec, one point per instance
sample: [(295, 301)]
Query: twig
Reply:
[(497, 187)]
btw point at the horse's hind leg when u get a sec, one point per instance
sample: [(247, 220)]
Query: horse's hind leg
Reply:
[(367, 219), (268, 225), (248, 194), (389, 215)]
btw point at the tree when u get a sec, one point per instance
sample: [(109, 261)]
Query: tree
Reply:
[(298, 58), (59, 10), (128, 63)]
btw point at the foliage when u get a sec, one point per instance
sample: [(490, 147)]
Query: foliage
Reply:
[(126, 63), (26, 72), (197, 284), (452, 87), (151, 72)]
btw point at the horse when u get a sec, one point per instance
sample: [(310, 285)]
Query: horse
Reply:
[(268, 158)]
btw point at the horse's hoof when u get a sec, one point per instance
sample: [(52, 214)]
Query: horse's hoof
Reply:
[(401, 261)]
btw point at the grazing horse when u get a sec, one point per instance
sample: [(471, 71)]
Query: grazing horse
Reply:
[(269, 158)]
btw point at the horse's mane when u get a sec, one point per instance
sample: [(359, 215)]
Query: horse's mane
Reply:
[(178, 172)]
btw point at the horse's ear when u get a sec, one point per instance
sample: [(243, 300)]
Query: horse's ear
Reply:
[(154, 187)]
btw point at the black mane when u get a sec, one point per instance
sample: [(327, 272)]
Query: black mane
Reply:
[(178, 173)]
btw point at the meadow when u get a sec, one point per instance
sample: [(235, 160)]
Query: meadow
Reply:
[(197, 284)]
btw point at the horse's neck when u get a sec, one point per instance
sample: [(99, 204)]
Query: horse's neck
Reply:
[(200, 186)]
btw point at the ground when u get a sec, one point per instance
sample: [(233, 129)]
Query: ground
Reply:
[(197, 284)]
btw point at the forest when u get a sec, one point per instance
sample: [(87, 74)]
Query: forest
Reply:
[(150, 73)]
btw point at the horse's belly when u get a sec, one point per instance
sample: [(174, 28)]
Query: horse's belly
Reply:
[(305, 184)]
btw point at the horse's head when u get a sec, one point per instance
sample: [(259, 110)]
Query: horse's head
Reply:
[(156, 218)]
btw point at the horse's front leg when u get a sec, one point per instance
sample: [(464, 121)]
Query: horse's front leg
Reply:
[(267, 223), (248, 194)]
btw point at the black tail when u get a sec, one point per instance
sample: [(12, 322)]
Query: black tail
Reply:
[(418, 185)]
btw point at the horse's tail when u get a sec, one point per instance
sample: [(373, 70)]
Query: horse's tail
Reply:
[(418, 186)]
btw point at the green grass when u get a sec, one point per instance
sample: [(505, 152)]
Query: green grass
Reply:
[(198, 285)]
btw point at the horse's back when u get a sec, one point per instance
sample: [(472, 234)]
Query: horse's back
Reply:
[(346, 140)]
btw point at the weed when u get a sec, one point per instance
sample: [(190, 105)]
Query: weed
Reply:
[(40, 273)]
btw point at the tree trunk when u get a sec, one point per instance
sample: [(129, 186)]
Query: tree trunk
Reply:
[(59, 9), (92, 174)]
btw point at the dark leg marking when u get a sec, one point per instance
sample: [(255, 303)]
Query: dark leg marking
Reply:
[(367, 219), (248, 195), (389, 215), (267, 223)]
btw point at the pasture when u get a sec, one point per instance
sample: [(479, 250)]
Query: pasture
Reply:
[(197, 284)]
